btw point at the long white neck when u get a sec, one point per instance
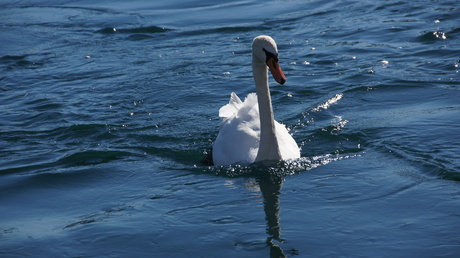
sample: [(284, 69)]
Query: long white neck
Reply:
[(268, 146)]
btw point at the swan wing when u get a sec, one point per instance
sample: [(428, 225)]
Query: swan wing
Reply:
[(232, 107), (239, 135)]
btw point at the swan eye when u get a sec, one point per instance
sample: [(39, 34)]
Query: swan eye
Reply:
[(270, 55)]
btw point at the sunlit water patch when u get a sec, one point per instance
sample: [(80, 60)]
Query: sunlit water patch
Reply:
[(278, 170)]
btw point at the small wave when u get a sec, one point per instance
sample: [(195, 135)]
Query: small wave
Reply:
[(225, 30), (99, 217), (12, 61), (139, 30), (78, 159), (94, 157), (15, 58), (280, 169), (430, 36), (329, 102)]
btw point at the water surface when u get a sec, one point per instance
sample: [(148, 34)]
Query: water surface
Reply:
[(109, 109)]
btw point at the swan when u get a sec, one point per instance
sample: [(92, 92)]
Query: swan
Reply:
[(248, 131)]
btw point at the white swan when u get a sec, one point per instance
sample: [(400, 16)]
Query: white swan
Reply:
[(249, 132)]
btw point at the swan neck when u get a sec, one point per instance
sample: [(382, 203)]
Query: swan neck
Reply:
[(268, 146)]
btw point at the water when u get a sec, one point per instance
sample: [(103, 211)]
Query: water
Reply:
[(109, 108)]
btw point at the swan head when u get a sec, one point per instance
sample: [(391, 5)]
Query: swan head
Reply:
[(264, 50)]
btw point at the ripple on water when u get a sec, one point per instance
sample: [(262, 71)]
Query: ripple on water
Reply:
[(278, 170)]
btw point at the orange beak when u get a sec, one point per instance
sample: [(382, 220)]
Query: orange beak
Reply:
[(277, 73)]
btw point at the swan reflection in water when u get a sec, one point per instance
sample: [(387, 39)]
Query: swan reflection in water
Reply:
[(264, 178), (270, 188)]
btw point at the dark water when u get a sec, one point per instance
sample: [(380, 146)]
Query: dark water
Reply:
[(108, 109)]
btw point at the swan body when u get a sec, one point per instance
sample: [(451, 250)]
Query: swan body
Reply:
[(248, 132)]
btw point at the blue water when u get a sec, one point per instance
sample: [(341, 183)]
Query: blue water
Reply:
[(109, 110)]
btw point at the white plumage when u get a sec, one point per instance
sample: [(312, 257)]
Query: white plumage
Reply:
[(239, 136)]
